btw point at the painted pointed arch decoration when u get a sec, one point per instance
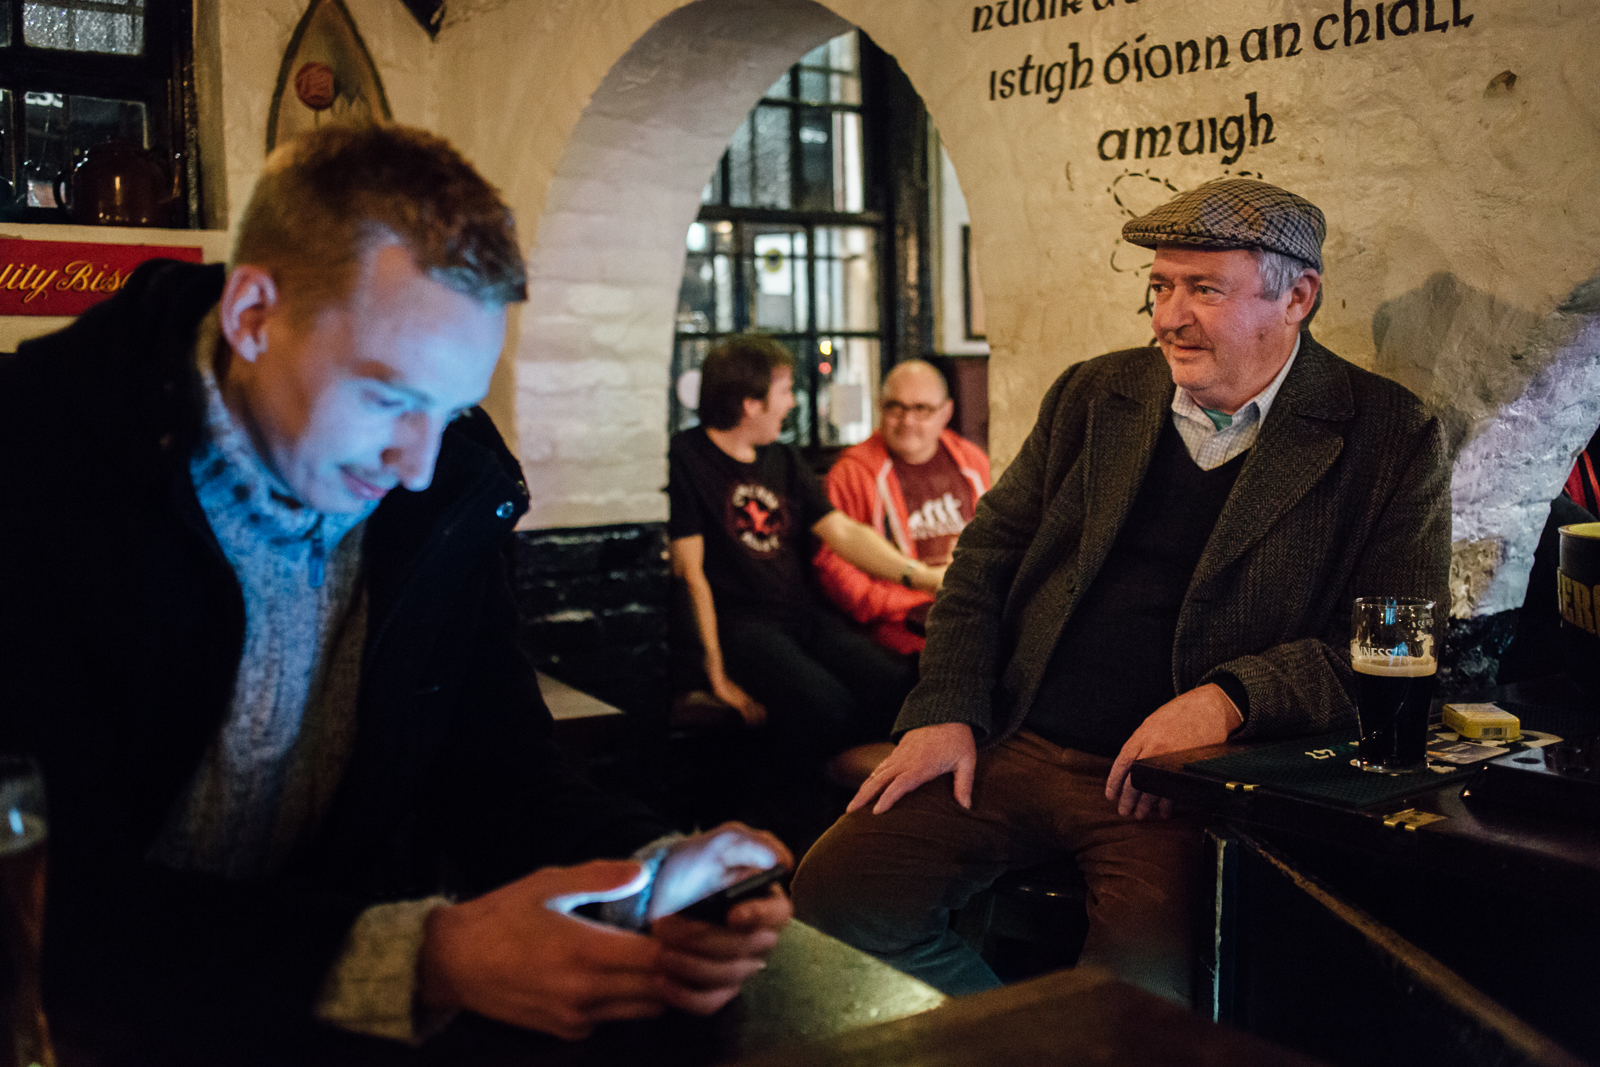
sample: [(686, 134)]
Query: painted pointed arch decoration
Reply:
[(327, 76)]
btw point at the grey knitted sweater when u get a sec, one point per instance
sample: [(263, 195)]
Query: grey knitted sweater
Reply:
[(270, 773)]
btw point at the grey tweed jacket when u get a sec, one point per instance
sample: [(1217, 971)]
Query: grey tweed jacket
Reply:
[(1345, 493)]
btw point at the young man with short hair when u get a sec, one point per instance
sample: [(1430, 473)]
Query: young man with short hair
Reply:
[(744, 511), (255, 624)]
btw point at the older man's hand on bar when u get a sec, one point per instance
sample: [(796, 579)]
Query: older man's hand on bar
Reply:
[(1202, 716)]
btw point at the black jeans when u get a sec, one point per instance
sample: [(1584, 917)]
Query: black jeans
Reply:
[(825, 686)]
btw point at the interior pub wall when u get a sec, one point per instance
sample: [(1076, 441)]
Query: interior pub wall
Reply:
[(1453, 146)]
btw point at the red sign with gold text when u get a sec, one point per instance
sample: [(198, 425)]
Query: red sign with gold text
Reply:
[(67, 277)]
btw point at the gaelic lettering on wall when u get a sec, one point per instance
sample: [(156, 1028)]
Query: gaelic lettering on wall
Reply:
[(1150, 148), (1134, 62), (1009, 13), (1228, 135)]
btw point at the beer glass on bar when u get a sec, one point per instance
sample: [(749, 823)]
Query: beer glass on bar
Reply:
[(1392, 651), (26, 1036)]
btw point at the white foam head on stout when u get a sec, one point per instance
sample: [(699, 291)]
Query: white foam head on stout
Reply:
[(20, 833), (1393, 666)]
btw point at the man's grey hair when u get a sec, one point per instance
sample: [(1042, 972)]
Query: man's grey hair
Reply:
[(1278, 273)]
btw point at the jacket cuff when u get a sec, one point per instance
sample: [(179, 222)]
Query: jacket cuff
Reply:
[(371, 987), (933, 703), (1231, 685)]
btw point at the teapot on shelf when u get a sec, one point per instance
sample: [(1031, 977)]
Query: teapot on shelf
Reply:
[(118, 183)]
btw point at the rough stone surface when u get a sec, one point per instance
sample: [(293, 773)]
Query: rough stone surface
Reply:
[(1518, 456), (1473, 566), (1472, 649)]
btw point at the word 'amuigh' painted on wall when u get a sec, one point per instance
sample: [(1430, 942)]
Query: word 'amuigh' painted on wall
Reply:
[(1230, 138)]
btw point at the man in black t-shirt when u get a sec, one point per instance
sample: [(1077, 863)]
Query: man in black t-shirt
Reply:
[(744, 512)]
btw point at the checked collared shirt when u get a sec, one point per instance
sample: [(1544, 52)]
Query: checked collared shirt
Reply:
[(1210, 445)]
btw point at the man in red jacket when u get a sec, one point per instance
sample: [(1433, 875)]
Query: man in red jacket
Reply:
[(915, 482)]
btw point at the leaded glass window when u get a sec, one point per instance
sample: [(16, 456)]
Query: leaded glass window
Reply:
[(787, 244), (111, 26), (76, 73)]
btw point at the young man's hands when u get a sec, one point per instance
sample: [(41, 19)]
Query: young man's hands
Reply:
[(509, 956)]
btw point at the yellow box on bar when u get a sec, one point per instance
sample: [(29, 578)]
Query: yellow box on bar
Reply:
[(1482, 722)]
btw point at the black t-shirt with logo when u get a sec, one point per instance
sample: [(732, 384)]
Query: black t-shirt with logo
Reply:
[(756, 520)]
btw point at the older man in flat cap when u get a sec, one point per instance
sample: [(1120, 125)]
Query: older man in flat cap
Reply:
[(1169, 562)]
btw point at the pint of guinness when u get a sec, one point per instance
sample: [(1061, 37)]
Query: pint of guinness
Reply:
[(1392, 651), (25, 1035)]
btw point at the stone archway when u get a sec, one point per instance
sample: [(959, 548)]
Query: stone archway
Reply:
[(604, 274)]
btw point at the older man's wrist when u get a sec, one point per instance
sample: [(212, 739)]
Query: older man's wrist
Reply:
[(1236, 692)]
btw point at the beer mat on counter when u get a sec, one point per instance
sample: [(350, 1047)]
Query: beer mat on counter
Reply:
[(1564, 722), (1319, 768)]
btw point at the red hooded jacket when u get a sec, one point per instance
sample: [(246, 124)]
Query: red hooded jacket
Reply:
[(862, 484)]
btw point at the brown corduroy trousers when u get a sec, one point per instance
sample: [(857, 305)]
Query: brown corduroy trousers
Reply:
[(888, 883)]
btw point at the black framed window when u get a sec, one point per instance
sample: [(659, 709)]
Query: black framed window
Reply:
[(790, 241), (75, 73)]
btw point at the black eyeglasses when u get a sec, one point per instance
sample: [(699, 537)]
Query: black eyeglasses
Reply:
[(921, 411)]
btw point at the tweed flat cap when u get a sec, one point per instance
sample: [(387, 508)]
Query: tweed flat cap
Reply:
[(1235, 213)]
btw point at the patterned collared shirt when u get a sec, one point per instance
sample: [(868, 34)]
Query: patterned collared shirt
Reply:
[(1211, 447)]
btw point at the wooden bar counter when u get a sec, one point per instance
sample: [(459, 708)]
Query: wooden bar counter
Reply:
[(818, 1003)]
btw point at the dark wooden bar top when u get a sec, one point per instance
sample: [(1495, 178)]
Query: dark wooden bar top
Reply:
[(819, 1002), (1081, 1016), (1505, 846), (1440, 905)]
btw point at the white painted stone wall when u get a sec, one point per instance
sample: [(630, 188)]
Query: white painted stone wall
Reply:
[(592, 359), (949, 270), (1462, 230)]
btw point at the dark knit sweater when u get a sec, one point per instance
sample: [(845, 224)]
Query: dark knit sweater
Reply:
[(1113, 664)]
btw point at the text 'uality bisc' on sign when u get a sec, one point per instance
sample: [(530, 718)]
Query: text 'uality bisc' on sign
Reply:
[(65, 278)]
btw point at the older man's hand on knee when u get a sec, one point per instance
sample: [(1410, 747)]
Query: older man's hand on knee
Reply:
[(921, 756)]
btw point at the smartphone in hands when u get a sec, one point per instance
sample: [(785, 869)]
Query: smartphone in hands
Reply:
[(714, 907)]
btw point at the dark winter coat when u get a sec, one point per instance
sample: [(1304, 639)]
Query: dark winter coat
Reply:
[(121, 628)]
